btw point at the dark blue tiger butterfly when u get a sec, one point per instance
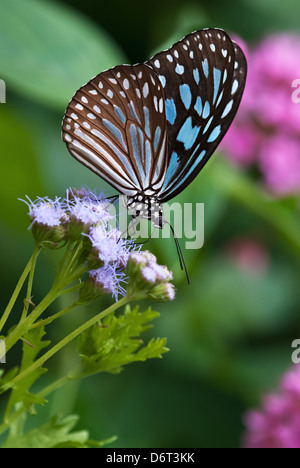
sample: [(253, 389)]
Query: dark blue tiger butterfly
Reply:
[(148, 129)]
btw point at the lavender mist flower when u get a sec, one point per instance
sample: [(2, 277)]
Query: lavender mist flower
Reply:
[(86, 209), (109, 246), (46, 211), (49, 219), (105, 280), (277, 423)]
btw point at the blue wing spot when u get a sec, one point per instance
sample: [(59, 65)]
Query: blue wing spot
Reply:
[(188, 134), (136, 150), (186, 95), (196, 75), (170, 111), (157, 137), (196, 163), (147, 121), (179, 69), (220, 98), (115, 132), (214, 134), (217, 79), (148, 160), (225, 76), (205, 67), (206, 110), (119, 114), (194, 166), (162, 80), (133, 111), (141, 135), (227, 109), (198, 105), (173, 165), (234, 86), (208, 125)]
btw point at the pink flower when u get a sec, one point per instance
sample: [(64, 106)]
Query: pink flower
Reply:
[(280, 164), (249, 255), (242, 143), (266, 131), (277, 424)]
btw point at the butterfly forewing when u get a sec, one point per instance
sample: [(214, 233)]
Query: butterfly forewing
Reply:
[(115, 125), (203, 78)]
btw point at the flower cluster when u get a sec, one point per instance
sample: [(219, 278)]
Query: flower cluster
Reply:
[(83, 218), (266, 131), (149, 278), (277, 425)]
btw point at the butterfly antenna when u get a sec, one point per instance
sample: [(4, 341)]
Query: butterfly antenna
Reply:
[(180, 254)]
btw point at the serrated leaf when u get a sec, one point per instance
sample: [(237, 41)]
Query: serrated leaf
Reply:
[(47, 50), (33, 343), (154, 349), (56, 433), (117, 342)]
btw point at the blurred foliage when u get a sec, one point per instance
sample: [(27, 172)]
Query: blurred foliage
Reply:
[(230, 332)]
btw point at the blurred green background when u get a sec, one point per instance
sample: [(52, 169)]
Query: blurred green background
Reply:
[(230, 332)]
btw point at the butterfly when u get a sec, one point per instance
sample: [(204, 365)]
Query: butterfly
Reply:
[(148, 129)]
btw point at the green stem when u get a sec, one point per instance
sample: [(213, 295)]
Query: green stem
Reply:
[(69, 270), (72, 289), (59, 383), (15, 293), (68, 263), (24, 325), (47, 321), (64, 342), (30, 281), (6, 424)]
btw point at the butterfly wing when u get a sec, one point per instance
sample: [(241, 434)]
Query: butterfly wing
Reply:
[(115, 125), (203, 78)]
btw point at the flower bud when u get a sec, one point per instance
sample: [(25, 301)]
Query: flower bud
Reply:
[(163, 292), (147, 278)]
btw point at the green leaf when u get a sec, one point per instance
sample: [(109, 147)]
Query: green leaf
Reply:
[(116, 342), (56, 433), (32, 344), (47, 50)]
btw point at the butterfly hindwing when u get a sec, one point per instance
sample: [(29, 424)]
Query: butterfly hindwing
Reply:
[(203, 78), (115, 125)]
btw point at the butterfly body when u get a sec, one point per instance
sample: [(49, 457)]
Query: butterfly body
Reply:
[(146, 207), (148, 129)]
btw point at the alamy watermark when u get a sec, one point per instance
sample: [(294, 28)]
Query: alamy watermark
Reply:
[(185, 220), (2, 92), (2, 352), (296, 353), (296, 92)]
